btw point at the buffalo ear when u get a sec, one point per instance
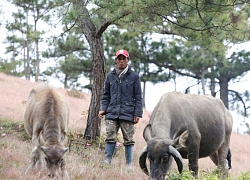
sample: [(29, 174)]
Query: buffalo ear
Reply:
[(180, 142), (147, 133), (43, 148), (65, 150)]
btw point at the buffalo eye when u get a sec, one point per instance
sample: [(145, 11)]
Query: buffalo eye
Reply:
[(164, 159), (47, 161)]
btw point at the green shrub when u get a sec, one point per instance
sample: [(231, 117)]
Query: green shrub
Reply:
[(8, 127)]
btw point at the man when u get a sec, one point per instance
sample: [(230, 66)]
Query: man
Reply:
[(122, 106)]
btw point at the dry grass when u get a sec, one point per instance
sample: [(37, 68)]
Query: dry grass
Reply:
[(84, 164)]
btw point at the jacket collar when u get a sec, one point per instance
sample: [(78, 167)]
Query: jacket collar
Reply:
[(114, 71)]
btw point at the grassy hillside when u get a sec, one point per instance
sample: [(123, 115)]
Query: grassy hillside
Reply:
[(83, 160)]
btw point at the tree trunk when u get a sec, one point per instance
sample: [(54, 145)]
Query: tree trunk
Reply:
[(27, 71), (93, 36), (203, 74), (212, 87), (203, 81), (14, 59), (65, 81), (93, 127), (36, 17), (144, 95), (224, 91), (37, 62)]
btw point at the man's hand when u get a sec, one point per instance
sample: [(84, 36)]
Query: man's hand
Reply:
[(136, 119), (101, 113)]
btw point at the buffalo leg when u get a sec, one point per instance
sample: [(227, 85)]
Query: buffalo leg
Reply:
[(35, 154), (193, 156), (222, 158), (214, 158), (63, 169)]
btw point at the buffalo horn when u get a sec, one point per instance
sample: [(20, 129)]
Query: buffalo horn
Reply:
[(142, 160), (177, 158)]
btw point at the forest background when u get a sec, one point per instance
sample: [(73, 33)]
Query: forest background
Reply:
[(187, 46)]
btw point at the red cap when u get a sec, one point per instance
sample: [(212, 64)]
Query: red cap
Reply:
[(122, 52)]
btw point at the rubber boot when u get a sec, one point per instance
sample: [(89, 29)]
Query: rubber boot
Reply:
[(129, 156), (109, 151)]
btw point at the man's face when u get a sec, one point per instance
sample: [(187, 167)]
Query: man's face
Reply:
[(121, 61)]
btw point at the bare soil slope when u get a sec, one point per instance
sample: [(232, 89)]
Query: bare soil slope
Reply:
[(13, 94)]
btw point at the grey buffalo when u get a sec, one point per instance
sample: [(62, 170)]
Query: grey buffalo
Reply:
[(186, 126), (46, 120)]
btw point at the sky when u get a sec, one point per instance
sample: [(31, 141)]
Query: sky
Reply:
[(153, 92)]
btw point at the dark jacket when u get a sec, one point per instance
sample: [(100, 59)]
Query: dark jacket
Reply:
[(122, 99)]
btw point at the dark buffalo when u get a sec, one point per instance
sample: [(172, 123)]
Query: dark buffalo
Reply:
[(186, 126)]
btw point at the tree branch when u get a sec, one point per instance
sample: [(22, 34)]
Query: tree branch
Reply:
[(106, 24), (241, 100)]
